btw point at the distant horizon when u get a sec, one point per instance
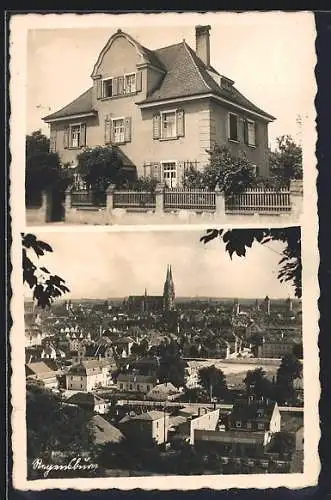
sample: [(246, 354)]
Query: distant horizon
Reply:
[(196, 297), (120, 264)]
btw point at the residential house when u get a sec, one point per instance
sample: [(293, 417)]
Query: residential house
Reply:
[(163, 392), (133, 382), (232, 444), (184, 426), (88, 375), (104, 431), (89, 401), (252, 415), (122, 346), (161, 110), (40, 371), (275, 348), (146, 427)]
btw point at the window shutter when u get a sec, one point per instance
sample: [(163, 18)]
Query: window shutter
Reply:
[(256, 133), (120, 88), (139, 81), (180, 123), (112, 136), (99, 89), (245, 125), (115, 86), (127, 129), (156, 126), (53, 141), (156, 171), (82, 140), (107, 130), (66, 137)]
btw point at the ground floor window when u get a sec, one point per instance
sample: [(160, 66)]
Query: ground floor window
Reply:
[(170, 174), (75, 136)]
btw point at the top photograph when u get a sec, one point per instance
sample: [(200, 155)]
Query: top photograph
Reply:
[(168, 125)]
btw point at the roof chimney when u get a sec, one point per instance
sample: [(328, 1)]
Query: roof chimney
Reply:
[(202, 44)]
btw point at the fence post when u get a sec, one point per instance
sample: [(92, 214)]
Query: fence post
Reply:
[(110, 198), (219, 201), (159, 198), (44, 210), (296, 195), (67, 200)]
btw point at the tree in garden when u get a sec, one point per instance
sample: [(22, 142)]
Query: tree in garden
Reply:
[(286, 160), (43, 171), (282, 443), (45, 286), (289, 369), (42, 167), (257, 383), (140, 349), (238, 240), (53, 426), (298, 350), (213, 381), (232, 174), (101, 166)]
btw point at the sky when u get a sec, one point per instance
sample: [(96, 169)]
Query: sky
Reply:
[(270, 56), (118, 264)]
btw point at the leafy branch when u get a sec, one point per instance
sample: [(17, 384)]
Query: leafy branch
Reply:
[(238, 240), (45, 286)]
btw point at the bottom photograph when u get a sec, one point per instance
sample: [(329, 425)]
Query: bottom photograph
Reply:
[(173, 352)]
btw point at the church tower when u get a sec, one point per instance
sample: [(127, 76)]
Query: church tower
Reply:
[(169, 292)]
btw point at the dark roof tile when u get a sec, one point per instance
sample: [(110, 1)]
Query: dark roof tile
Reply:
[(82, 104), (185, 75)]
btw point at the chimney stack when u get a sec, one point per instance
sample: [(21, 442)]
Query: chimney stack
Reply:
[(202, 43)]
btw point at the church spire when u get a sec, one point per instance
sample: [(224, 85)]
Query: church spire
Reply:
[(169, 291)]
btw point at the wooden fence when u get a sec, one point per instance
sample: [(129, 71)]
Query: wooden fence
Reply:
[(133, 199), (87, 198), (259, 200), (189, 199), (252, 201)]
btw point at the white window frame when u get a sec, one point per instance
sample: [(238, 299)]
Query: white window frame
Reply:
[(135, 82), (167, 112), (229, 127), (71, 126), (167, 162), (103, 96), (113, 120), (251, 122)]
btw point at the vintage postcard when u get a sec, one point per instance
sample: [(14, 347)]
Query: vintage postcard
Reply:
[(155, 123), (165, 258)]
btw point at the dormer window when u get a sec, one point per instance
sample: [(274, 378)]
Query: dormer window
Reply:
[(130, 83), (107, 87), (117, 86)]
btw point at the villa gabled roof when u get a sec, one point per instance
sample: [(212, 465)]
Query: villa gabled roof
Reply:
[(185, 75)]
